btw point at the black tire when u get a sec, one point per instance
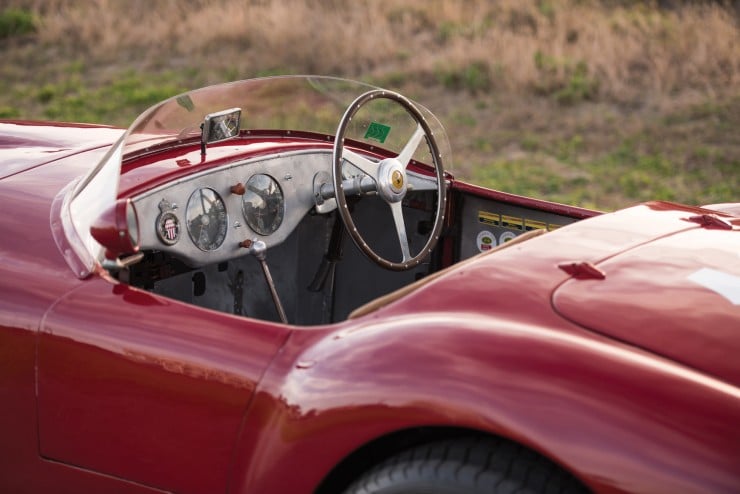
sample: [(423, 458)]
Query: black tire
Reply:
[(467, 466)]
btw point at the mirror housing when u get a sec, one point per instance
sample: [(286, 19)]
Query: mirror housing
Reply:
[(117, 229), (219, 126)]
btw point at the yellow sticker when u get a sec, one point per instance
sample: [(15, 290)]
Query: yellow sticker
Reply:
[(534, 224), (513, 222), (489, 218)]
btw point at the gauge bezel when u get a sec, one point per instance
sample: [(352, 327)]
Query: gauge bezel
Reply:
[(223, 220), (246, 210)]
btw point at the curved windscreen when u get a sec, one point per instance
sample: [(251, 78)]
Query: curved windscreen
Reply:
[(309, 105)]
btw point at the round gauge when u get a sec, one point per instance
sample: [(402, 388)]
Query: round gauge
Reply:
[(168, 228), (206, 219), (263, 205)]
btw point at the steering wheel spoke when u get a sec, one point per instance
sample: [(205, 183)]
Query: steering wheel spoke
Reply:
[(410, 148), (366, 165), (397, 210)]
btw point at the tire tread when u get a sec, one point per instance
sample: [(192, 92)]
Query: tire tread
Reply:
[(474, 465)]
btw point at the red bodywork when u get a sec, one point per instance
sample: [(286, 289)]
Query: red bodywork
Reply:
[(108, 388)]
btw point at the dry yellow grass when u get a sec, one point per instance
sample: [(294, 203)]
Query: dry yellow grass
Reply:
[(601, 103), (621, 52)]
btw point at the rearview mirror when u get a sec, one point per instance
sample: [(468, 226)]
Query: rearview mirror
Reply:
[(220, 126)]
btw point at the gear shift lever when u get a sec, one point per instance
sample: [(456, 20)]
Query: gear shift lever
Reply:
[(259, 250)]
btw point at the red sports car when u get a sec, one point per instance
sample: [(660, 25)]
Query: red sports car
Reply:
[(274, 286)]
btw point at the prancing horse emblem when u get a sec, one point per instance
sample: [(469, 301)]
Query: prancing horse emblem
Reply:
[(397, 180)]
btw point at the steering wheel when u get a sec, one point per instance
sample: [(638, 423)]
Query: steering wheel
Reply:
[(390, 177)]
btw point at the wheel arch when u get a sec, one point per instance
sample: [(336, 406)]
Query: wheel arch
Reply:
[(380, 449), (595, 409)]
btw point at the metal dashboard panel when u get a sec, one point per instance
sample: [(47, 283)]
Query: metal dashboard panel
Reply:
[(293, 172)]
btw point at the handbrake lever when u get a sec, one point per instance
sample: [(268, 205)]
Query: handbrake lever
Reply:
[(259, 250)]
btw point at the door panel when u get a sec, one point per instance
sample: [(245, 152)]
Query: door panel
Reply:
[(145, 388)]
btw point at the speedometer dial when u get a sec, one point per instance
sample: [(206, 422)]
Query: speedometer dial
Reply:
[(263, 205), (207, 221)]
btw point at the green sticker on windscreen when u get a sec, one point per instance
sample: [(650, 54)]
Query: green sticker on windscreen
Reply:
[(377, 131), (185, 102)]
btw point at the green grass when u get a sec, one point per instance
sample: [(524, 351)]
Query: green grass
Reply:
[(475, 77), (562, 165), (16, 22), (128, 94), (566, 81), (619, 177)]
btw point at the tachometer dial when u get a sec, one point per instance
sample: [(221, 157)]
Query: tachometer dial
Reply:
[(206, 219), (263, 205)]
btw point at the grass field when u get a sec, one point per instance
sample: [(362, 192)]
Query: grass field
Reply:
[(596, 103)]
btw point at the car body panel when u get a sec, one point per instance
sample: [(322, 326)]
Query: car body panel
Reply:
[(350, 389), (530, 202), (26, 145), (660, 306), (140, 375), (33, 275), (534, 369)]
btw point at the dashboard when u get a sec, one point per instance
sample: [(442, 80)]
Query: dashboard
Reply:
[(200, 232), (215, 215)]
